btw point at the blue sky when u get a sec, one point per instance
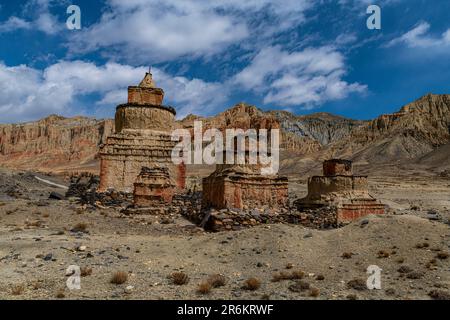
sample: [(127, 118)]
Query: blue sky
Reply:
[(303, 56)]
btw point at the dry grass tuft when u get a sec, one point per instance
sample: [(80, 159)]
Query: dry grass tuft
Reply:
[(204, 288), (357, 284), (252, 284), (415, 275), (80, 227), (119, 277), (422, 245), (294, 275), (217, 280), (405, 269), (60, 294), (443, 255), (431, 264), (289, 266), (299, 286), (314, 292), (383, 254), (439, 295), (36, 223), (17, 290), (85, 271), (179, 278), (347, 255)]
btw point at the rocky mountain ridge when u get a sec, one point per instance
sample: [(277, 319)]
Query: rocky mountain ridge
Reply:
[(419, 128)]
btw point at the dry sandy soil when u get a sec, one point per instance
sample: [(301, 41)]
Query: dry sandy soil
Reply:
[(37, 245)]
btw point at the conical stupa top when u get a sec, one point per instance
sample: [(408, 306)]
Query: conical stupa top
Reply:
[(147, 82)]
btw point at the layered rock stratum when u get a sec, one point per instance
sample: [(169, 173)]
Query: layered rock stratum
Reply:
[(53, 143), (418, 133)]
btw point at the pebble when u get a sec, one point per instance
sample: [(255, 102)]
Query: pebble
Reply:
[(48, 257), (129, 289)]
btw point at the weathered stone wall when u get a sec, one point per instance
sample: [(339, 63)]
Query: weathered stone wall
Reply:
[(139, 117), (142, 95), (319, 185), (153, 187), (350, 212), (242, 192), (346, 196), (337, 167), (124, 155)]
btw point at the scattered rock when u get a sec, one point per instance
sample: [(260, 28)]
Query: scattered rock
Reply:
[(56, 196)]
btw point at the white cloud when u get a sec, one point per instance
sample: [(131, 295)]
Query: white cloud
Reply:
[(14, 23), (163, 30), (309, 77), (419, 37), (40, 18), (27, 93)]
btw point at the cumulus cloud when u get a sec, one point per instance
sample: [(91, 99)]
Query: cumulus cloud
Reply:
[(162, 30), (27, 93), (419, 37), (308, 77), (39, 18), (13, 24)]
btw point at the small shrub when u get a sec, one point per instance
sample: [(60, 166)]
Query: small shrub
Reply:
[(314, 292), (17, 290), (347, 255), (204, 288), (85, 271), (217, 280), (422, 245), (299, 286), (297, 275), (390, 292), (405, 269), (439, 295), (357, 284), (415, 275), (80, 227), (431, 264), (60, 294), (252, 284), (179, 278), (36, 223), (383, 254), (36, 285), (119, 277), (320, 277), (442, 255), (294, 275)]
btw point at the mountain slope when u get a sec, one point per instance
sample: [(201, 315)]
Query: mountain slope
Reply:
[(417, 129), (52, 142), (415, 134)]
